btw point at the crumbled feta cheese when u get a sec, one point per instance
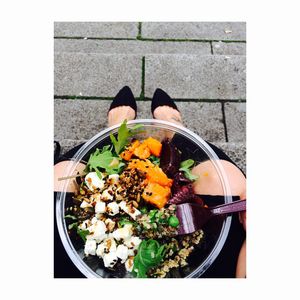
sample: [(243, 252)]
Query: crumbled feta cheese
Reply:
[(90, 247), (94, 220), (95, 197), (110, 259), (97, 231), (84, 225), (131, 211), (129, 264), (110, 224), (131, 252), (85, 204), (100, 207), (122, 252), (108, 245), (123, 233), (133, 242), (114, 178), (106, 195), (113, 208), (93, 181)]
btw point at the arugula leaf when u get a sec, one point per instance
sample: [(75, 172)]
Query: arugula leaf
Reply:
[(104, 159), (150, 254), (154, 159), (124, 133), (185, 166)]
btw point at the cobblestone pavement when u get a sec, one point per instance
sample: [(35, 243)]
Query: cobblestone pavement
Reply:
[(201, 65)]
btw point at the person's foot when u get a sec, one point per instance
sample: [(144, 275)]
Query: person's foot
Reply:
[(164, 108), (123, 107)]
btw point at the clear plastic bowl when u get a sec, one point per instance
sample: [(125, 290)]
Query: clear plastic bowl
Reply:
[(191, 146)]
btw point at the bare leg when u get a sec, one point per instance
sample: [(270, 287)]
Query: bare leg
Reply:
[(59, 171), (210, 184)]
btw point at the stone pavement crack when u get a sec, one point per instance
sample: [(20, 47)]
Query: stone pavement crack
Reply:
[(142, 95), (211, 48), (224, 122), (139, 36), (147, 39)]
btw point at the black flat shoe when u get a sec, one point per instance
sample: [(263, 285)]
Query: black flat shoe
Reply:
[(161, 98), (124, 98)]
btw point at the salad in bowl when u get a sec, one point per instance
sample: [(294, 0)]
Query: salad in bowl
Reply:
[(122, 219)]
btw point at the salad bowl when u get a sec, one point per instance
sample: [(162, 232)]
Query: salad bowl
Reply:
[(191, 146)]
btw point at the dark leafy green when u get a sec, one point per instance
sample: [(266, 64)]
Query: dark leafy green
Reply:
[(81, 232), (124, 134), (185, 166), (123, 221), (150, 254), (154, 159), (104, 160)]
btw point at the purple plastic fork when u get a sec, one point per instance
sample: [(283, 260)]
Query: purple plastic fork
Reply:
[(193, 216)]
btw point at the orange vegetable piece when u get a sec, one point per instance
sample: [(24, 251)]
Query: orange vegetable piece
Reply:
[(153, 172), (127, 153), (156, 194), (157, 175), (142, 151), (154, 146)]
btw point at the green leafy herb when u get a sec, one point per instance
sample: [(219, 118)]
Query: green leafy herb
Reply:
[(70, 217), (73, 225), (124, 133), (83, 233), (144, 210), (105, 160), (123, 221), (185, 166), (155, 160), (152, 214), (150, 254)]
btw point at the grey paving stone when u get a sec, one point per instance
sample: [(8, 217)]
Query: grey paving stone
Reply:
[(235, 115), (82, 119), (130, 47), (79, 119), (195, 30), (223, 48), (196, 77), (237, 152), (96, 29), (95, 74), (205, 119)]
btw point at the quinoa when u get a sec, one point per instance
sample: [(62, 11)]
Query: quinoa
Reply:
[(177, 258)]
